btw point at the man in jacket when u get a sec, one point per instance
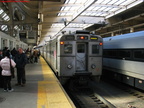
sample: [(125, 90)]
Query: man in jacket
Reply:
[(21, 61)]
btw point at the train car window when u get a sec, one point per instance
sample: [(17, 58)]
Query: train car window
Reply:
[(105, 53), (113, 53), (124, 53), (118, 54), (110, 53), (95, 49), (139, 54), (68, 48), (80, 48)]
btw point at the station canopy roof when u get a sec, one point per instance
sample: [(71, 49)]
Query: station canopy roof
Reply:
[(50, 17)]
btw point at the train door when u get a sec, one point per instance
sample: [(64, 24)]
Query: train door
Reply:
[(10, 45), (81, 57), (3, 43)]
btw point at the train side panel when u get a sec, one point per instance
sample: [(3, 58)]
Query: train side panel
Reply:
[(11, 42), (66, 58), (131, 68), (123, 56), (45, 51), (95, 58)]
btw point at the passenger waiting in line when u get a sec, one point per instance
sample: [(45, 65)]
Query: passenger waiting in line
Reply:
[(21, 61), (6, 73)]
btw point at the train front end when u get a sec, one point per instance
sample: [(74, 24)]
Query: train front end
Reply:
[(80, 55)]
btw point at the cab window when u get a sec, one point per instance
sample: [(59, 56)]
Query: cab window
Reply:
[(81, 48), (95, 49), (68, 48)]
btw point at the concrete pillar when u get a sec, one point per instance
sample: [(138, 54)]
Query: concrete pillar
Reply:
[(112, 34), (131, 29)]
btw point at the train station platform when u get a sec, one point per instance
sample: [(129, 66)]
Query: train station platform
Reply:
[(42, 90)]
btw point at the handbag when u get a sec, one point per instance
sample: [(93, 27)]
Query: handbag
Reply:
[(12, 70)]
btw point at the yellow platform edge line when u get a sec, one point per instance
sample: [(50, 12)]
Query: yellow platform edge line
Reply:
[(43, 91)]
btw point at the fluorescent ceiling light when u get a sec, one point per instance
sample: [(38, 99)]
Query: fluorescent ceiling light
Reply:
[(4, 15), (113, 1), (6, 18), (96, 8), (73, 8), (102, 9), (106, 1), (57, 25), (120, 2), (3, 27), (72, 1), (100, 1), (78, 25), (134, 3), (90, 8), (112, 9), (1, 11), (66, 8)]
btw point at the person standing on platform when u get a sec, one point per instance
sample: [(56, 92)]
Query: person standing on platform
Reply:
[(4, 51), (1, 77), (21, 61), (35, 54), (1, 54), (13, 53), (6, 73)]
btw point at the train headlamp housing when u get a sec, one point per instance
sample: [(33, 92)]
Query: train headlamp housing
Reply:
[(61, 42), (100, 43), (93, 66), (69, 66), (82, 37)]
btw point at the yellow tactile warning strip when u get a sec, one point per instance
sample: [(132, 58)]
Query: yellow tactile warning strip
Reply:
[(50, 92)]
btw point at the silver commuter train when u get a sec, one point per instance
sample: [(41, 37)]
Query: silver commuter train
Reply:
[(123, 58), (11, 42), (78, 54)]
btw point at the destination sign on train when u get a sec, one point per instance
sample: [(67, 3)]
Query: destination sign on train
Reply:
[(93, 38)]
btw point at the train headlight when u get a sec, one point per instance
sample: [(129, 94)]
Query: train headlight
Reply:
[(93, 66), (69, 66)]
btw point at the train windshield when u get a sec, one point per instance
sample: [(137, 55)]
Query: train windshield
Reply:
[(95, 49), (80, 48), (68, 48)]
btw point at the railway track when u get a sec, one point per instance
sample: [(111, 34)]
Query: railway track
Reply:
[(119, 94), (85, 97), (106, 95)]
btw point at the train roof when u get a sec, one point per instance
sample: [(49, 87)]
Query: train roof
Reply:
[(125, 41), (124, 36)]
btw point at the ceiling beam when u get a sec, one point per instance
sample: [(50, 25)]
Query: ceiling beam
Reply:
[(47, 6), (134, 26), (67, 11)]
